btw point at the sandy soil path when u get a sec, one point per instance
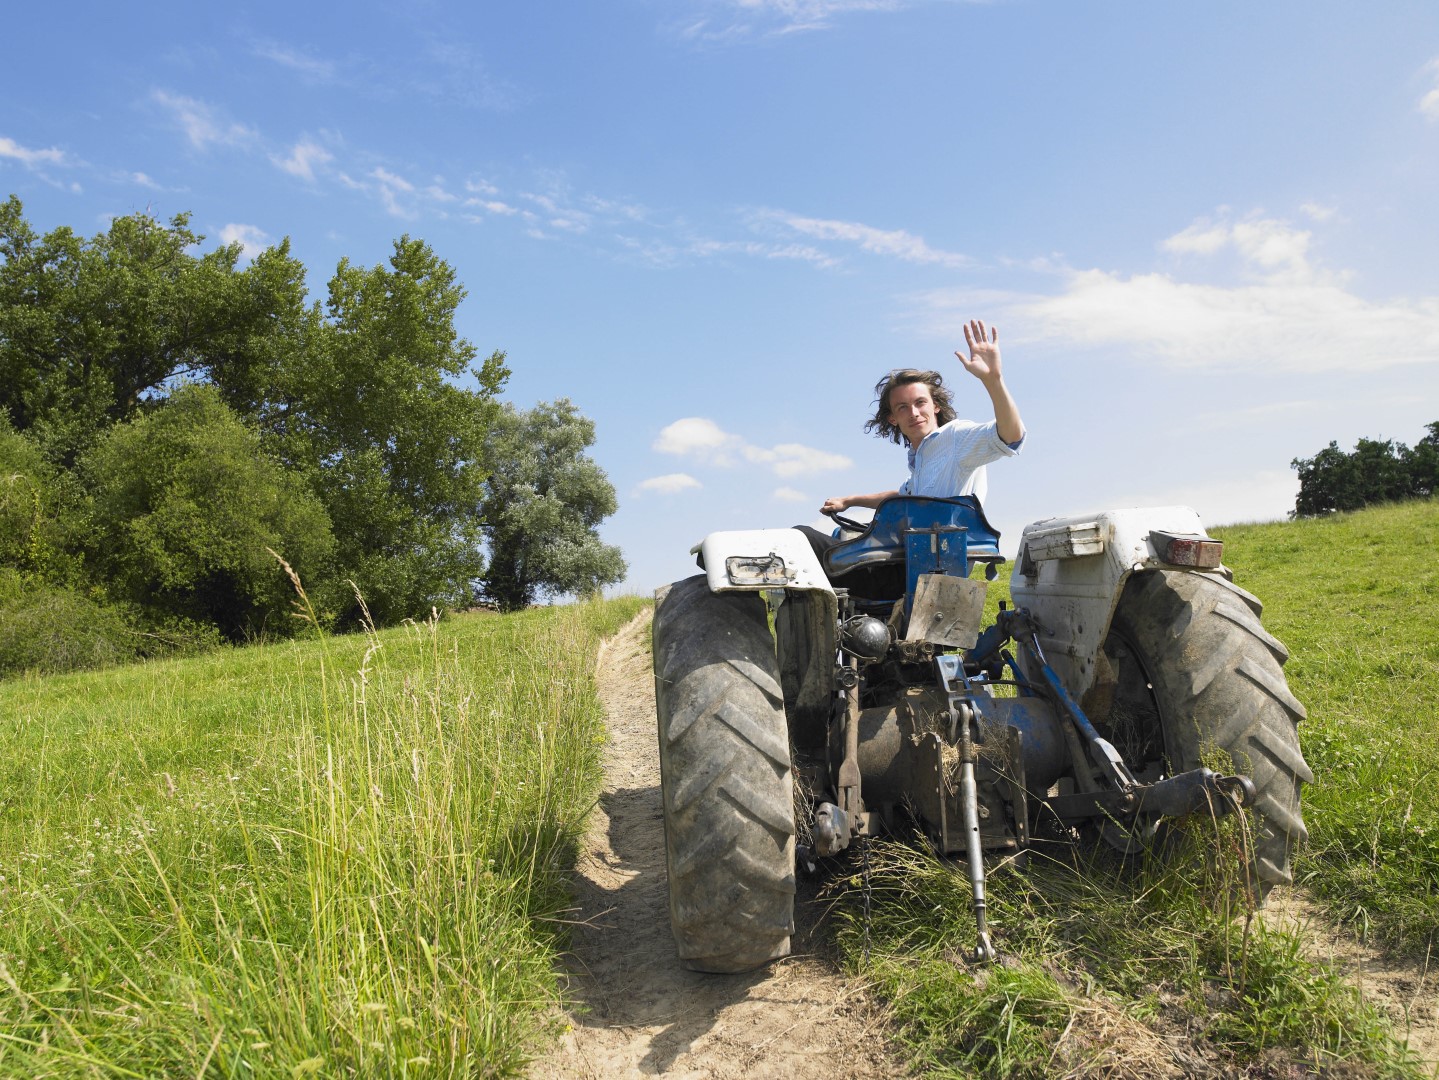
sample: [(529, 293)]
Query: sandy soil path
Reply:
[(641, 1014)]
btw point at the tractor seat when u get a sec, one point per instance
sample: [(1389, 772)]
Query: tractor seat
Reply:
[(882, 543)]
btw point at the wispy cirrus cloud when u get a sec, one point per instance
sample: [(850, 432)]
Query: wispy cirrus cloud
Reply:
[(1281, 312), (890, 243), (305, 159), (456, 74), (314, 68), (203, 124), (702, 439), (731, 21), (29, 157), (40, 162)]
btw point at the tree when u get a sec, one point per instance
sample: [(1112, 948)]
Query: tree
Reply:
[(38, 515), (544, 498), (373, 399), (92, 329), (374, 413), (1374, 472), (188, 507), (1422, 463)]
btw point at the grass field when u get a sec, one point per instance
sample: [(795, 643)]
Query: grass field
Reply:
[(1106, 965), (334, 857), (346, 856), (1356, 599)]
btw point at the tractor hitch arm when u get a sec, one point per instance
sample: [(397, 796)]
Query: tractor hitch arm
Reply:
[(1175, 796)]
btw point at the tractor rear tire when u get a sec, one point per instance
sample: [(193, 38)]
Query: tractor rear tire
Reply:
[(1196, 672), (725, 774)]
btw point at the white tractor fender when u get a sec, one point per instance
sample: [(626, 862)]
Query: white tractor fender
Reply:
[(780, 561), (1071, 571), (752, 560)]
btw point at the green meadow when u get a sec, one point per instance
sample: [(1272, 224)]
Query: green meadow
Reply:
[(340, 856), (348, 856)]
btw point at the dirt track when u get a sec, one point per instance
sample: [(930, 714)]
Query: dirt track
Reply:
[(641, 1015)]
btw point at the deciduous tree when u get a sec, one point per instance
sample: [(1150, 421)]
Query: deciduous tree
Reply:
[(1374, 472), (92, 328), (388, 412), (543, 503), (188, 507)]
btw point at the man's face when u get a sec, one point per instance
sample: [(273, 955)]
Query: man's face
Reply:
[(911, 409)]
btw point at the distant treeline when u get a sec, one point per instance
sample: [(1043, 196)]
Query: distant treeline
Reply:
[(1375, 472), (174, 423)]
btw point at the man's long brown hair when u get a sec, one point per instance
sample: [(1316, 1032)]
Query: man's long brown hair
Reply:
[(943, 400)]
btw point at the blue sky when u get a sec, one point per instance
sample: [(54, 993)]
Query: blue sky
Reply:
[(1209, 234)]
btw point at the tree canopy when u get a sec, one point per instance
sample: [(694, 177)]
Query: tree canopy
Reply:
[(168, 413), (1374, 472), (189, 514), (544, 498)]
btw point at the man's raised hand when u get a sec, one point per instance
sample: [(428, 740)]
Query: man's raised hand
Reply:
[(983, 360)]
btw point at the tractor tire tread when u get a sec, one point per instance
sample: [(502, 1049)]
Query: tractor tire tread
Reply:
[(1221, 677), (726, 779)]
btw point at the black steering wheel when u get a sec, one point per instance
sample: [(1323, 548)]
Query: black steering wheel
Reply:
[(846, 523)]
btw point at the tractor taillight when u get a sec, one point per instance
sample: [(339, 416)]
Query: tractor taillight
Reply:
[(1187, 549)]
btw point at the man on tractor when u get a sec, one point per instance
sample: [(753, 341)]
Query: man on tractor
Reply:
[(947, 456)]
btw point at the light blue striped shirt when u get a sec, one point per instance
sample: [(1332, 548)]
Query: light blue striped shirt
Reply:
[(950, 460)]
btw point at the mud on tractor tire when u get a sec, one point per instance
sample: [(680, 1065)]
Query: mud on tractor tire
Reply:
[(725, 773), (1193, 671)]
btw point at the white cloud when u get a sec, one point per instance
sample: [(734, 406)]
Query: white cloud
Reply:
[(1201, 238), (1268, 245), (1318, 211), (252, 239), (309, 66), (668, 484), (305, 157), (695, 435), (698, 437), (750, 18), (493, 206), (201, 124), (391, 188), (757, 249), (793, 459), (789, 494), (1286, 315), (895, 243), (31, 159), (1429, 103)]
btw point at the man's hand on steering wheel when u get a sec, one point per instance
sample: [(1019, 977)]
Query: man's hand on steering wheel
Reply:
[(847, 523)]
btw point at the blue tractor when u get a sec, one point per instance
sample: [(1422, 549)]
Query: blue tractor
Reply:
[(805, 704)]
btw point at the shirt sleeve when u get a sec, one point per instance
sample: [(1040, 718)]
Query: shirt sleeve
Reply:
[(975, 444)]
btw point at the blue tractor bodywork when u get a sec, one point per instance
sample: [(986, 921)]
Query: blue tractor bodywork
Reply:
[(906, 520)]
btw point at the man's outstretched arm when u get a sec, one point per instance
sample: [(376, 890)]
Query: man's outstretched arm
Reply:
[(844, 502), (984, 364)]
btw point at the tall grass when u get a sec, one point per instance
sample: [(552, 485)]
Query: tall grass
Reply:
[(336, 857)]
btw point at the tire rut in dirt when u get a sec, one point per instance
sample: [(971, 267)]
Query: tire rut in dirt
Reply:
[(726, 778), (1192, 644)]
